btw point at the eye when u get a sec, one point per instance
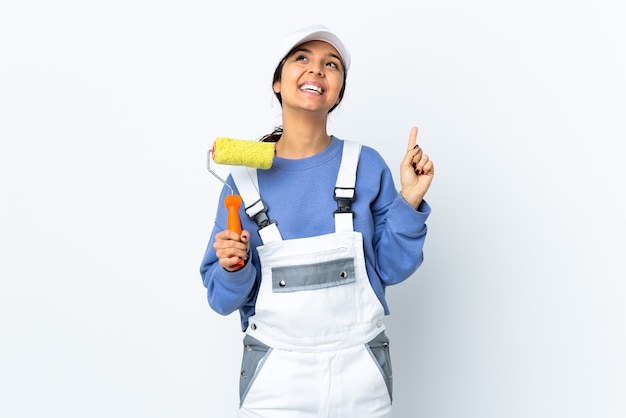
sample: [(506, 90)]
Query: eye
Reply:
[(333, 64), (300, 57)]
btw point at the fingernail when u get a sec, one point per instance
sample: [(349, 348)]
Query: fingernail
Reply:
[(416, 146)]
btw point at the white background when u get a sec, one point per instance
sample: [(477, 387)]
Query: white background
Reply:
[(108, 108)]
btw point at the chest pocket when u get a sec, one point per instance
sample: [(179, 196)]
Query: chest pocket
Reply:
[(318, 275)]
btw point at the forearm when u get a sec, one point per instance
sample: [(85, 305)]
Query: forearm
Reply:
[(399, 247), (228, 291)]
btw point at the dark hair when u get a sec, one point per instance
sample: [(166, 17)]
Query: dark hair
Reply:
[(275, 135)]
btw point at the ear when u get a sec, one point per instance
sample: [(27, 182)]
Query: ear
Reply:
[(276, 87)]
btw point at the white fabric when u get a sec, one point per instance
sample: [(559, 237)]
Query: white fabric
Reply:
[(270, 233), (314, 33), (322, 319), (344, 222), (248, 184), (319, 365), (331, 384), (346, 180), (349, 160), (318, 338)]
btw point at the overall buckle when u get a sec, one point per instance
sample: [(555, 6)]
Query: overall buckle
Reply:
[(260, 217), (344, 196)]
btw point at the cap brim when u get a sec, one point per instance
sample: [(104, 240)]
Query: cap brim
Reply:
[(316, 33)]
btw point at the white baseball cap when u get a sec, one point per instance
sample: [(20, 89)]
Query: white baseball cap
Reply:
[(315, 33)]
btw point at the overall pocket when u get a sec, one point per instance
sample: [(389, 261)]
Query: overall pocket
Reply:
[(318, 275), (254, 355), (379, 350)]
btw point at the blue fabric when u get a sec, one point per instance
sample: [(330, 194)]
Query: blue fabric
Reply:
[(299, 195)]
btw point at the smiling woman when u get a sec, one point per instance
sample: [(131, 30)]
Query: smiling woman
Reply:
[(311, 294), (315, 68)]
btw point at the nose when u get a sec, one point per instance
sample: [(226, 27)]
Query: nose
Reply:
[(316, 69)]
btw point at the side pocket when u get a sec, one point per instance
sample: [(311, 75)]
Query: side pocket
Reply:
[(254, 355), (379, 350)]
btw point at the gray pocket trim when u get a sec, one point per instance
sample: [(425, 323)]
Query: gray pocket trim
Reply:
[(379, 350), (313, 276), (254, 355)]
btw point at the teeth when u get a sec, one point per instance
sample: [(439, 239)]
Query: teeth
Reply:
[(312, 88)]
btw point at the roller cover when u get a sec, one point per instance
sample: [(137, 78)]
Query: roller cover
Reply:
[(253, 154)]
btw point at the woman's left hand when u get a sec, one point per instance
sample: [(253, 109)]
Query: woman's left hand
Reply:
[(416, 172)]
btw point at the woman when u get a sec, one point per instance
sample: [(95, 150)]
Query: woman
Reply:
[(333, 233)]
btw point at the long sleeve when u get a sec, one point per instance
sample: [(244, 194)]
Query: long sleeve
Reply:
[(399, 246), (299, 195), (226, 291), (395, 234)]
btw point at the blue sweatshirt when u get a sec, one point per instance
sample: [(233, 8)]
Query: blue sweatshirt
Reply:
[(299, 195)]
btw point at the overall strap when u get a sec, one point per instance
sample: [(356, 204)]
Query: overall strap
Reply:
[(345, 186), (248, 184)]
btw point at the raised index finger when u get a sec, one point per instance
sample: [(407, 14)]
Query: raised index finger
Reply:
[(413, 138)]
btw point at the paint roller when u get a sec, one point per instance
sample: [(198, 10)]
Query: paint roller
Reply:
[(240, 152), (252, 154)]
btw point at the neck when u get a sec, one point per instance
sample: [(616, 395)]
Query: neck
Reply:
[(302, 137)]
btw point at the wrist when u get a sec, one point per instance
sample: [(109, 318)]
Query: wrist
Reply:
[(413, 200)]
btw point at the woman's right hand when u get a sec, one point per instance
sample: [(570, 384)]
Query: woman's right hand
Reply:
[(231, 248), (416, 172)]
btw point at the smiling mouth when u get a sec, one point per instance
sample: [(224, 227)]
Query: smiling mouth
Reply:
[(309, 87)]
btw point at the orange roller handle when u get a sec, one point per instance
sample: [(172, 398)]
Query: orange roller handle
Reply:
[(233, 223)]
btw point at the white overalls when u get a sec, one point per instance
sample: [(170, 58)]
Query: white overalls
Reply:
[(315, 346)]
